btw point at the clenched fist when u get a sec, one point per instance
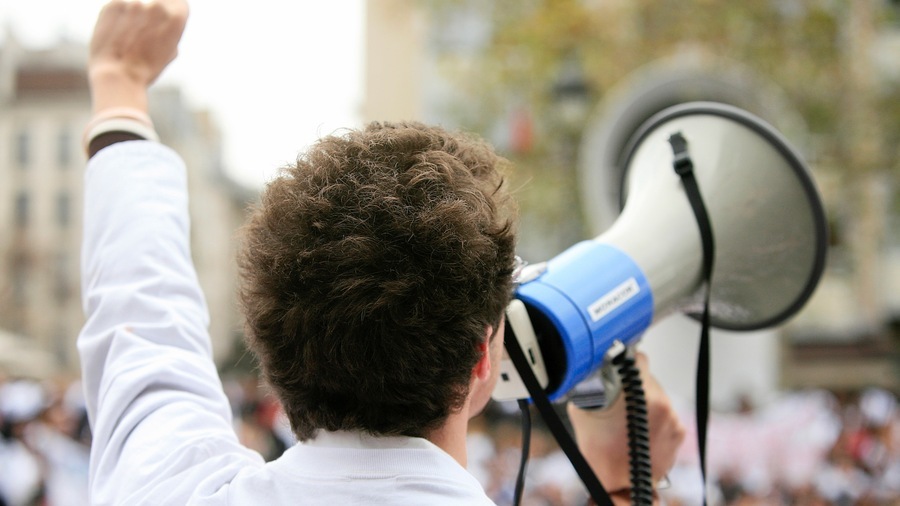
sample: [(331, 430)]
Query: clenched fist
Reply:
[(133, 42)]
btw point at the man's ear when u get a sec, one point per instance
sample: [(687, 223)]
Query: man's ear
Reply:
[(482, 369)]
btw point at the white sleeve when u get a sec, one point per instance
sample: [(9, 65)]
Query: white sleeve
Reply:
[(158, 412)]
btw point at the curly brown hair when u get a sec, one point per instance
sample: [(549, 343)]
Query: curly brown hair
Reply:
[(370, 272)]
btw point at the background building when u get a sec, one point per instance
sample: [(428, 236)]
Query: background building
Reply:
[(562, 84), (44, 104)]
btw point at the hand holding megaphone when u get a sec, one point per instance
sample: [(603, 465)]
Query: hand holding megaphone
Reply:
[(598, 433)]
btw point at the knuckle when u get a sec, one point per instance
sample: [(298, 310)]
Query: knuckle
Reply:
[(680, 431)]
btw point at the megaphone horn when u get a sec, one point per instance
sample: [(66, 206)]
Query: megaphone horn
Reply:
[(767, 220)]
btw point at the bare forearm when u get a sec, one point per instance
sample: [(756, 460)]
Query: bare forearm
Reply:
[(111, 89)]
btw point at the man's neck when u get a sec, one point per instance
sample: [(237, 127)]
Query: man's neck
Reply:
[(451, 436)]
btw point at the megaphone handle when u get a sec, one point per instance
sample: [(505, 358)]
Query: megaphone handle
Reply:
[(684, 167)]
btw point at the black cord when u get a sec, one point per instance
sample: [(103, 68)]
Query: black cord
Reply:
[(526, 449), (638, 429), (684, 167)]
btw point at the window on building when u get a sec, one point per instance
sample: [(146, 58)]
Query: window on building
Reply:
[(60, 344), (22, 209), (23, 148), (62, 209), (62, 286), (64, 147), (20, 280)]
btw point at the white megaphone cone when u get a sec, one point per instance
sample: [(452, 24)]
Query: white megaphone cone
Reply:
[(766, 215), (770, 234)]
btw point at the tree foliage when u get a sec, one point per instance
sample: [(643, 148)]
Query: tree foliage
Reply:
[(816, 51)]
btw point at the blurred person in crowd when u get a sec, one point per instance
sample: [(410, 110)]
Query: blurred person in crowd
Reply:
[(864, 463), (259, 418), (42, 459), (74, 403), (55, 438), (878, 441), (375, 274), (22, 473)]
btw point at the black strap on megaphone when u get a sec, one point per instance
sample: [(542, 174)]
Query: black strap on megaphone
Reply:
[(684, 167), (554, 423)]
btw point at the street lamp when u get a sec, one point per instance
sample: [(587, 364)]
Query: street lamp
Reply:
[(571, 94), (571, 101)]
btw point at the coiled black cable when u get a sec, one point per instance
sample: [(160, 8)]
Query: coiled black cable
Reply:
[(638, 429)]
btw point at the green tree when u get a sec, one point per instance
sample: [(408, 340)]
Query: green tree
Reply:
[(816, 51)]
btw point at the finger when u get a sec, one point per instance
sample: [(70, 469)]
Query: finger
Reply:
[(668, 433), (641, 359)]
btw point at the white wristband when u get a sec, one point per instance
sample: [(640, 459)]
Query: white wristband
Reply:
[(132, 121)]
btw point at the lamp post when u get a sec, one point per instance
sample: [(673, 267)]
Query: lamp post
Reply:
[(571, 94), (571, 101)]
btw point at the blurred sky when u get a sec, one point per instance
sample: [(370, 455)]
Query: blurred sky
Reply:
[(276, 74)]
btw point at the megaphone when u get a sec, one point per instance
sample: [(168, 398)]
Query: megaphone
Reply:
[(769, 227)]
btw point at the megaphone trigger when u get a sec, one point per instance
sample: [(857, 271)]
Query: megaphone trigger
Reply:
[(601, 389)]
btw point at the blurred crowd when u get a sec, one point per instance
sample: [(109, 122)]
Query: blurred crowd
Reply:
[(44, 443), (805, 448)]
